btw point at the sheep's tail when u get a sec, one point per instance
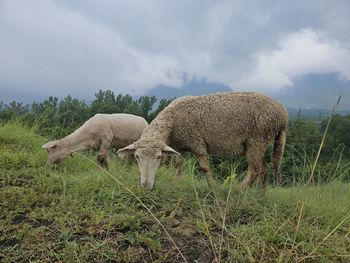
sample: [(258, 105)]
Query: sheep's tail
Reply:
[(278, 149)]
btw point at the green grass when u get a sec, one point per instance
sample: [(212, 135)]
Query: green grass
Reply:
[(75, 212)]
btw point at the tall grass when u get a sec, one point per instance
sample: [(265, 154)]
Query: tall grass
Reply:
[(78, 212), (311, 178)]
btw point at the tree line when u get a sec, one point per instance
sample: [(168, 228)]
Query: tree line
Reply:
[(56, 118)]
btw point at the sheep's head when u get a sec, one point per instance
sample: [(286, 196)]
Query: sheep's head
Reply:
[(56, 152), (148, 156)]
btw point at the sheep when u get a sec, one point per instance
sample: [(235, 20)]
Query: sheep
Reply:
[(220, 124), (101, 132)]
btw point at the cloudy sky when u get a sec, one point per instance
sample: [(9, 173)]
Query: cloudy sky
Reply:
[(76, 47)]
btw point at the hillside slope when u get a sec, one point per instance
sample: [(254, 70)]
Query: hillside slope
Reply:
[(77, 212)]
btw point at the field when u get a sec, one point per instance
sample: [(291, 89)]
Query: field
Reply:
[(77, 212)]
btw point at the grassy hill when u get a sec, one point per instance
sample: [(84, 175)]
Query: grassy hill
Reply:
[(76, 212)]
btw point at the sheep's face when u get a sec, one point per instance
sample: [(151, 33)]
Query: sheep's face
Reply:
[(148, 159), (56, 152)]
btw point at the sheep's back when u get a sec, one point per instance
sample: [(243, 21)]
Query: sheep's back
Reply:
[(225, 122), (125, 128)]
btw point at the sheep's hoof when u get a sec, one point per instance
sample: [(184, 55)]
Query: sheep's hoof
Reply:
[(102, 161), (103, 165), (278, 182)]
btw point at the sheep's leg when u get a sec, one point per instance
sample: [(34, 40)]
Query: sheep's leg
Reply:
[(255, 157), (179, 163), (166, 160), (251, 175), (102, 154), (261, 180), (102, 160), (203, 163)]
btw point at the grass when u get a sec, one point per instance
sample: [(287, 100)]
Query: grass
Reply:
[(75, 212)]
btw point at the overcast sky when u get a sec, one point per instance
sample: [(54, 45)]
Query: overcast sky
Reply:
[(77, 47)]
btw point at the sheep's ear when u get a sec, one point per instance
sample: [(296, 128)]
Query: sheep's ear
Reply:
[(130, 149), (48, 145), (168, 150)]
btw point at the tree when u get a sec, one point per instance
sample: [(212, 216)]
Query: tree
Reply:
[(146, 105), (338, 135), (162, 104), (49, 104), (303, 141), (12, 110), (18, 108), (71, 114), (134, 108), (122, 101), (304, 135), (44, 115), (104, 102)]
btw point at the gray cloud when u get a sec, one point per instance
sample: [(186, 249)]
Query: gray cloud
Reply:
[(297, 55), (76, 47)]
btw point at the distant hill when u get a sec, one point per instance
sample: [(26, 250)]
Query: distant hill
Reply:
[(312, 96), (193, 87), (316, 91), (315, 114)]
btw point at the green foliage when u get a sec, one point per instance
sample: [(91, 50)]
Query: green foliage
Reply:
[(162, 104), (303, 142), (338, 137), (12, 109), (107, 102), (44, 116), (133, 108), (71, 114), (104, 102), (304, 135), (54, 119)]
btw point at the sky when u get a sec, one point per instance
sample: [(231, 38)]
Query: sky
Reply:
[(76, 47)]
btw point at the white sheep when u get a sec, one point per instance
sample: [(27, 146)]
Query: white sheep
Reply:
[(101, 132), (220, 124)]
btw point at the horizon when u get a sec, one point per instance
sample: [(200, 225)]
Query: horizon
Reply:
[(293, 111)]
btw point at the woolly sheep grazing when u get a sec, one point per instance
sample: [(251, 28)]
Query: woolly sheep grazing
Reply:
[(101, 132), (220, 124)]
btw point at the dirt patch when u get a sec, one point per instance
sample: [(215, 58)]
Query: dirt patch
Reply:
[(9, 242), (193, 245), (41, 222), (19, 218)]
